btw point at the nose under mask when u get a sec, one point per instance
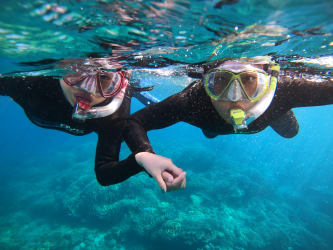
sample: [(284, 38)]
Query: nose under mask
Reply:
[(235, 92), (89, 84)]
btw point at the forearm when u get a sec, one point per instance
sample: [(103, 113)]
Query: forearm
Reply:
[(109, 170), (9, 85), (19, 87), (136, 138), (162, 114), (113, 172)]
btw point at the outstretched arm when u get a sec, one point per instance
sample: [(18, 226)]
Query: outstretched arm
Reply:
[(305, 90), (134, 131), (109, 170), (165, 113), (160, 115), (9, 86), (23, 88)]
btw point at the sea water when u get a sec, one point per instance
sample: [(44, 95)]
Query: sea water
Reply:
[(257, 191)]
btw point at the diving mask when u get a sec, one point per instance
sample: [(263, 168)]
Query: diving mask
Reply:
[(99, 83), (108, 84), (236, 82)]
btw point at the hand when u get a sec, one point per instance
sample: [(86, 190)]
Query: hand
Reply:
[(174, 183), (173, 178)]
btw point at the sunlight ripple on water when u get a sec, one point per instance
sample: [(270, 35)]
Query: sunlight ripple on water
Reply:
[(188, 31)]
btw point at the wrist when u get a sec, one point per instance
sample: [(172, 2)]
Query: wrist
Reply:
[(139, 158)]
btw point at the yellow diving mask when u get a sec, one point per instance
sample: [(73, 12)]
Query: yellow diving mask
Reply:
[(236, 82)]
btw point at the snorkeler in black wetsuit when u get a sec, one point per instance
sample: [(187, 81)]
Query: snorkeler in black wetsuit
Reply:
[(101, 102), (44, 103), (235, 97)]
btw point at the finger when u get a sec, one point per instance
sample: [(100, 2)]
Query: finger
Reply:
[(160, 182), (179, 178), (167, 177), (184, 183), (174, 169)]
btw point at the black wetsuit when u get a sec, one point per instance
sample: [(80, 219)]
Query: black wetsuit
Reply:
[(194, 106), (45, 105)]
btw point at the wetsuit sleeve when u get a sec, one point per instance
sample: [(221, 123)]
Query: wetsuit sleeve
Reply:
[(163, 114), (9, 86), (301, 92), (109, 170), (156, 116), (21, 88), (286, 125)]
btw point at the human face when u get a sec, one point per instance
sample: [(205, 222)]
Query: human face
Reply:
[(75, 93), (224, 106)]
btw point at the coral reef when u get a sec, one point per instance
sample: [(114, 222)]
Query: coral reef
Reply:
[(58, 204)]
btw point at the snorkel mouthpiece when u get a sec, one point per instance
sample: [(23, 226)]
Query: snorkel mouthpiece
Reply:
[(80, 112), (238, 119)]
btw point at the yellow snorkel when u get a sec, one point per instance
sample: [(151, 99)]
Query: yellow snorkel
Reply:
[(238, 119)]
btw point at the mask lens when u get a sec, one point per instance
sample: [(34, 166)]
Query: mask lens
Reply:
[(110, 83), (250, 82), (74, 78), (218, 81)]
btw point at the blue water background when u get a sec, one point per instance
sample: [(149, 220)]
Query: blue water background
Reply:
[(256, 191)]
